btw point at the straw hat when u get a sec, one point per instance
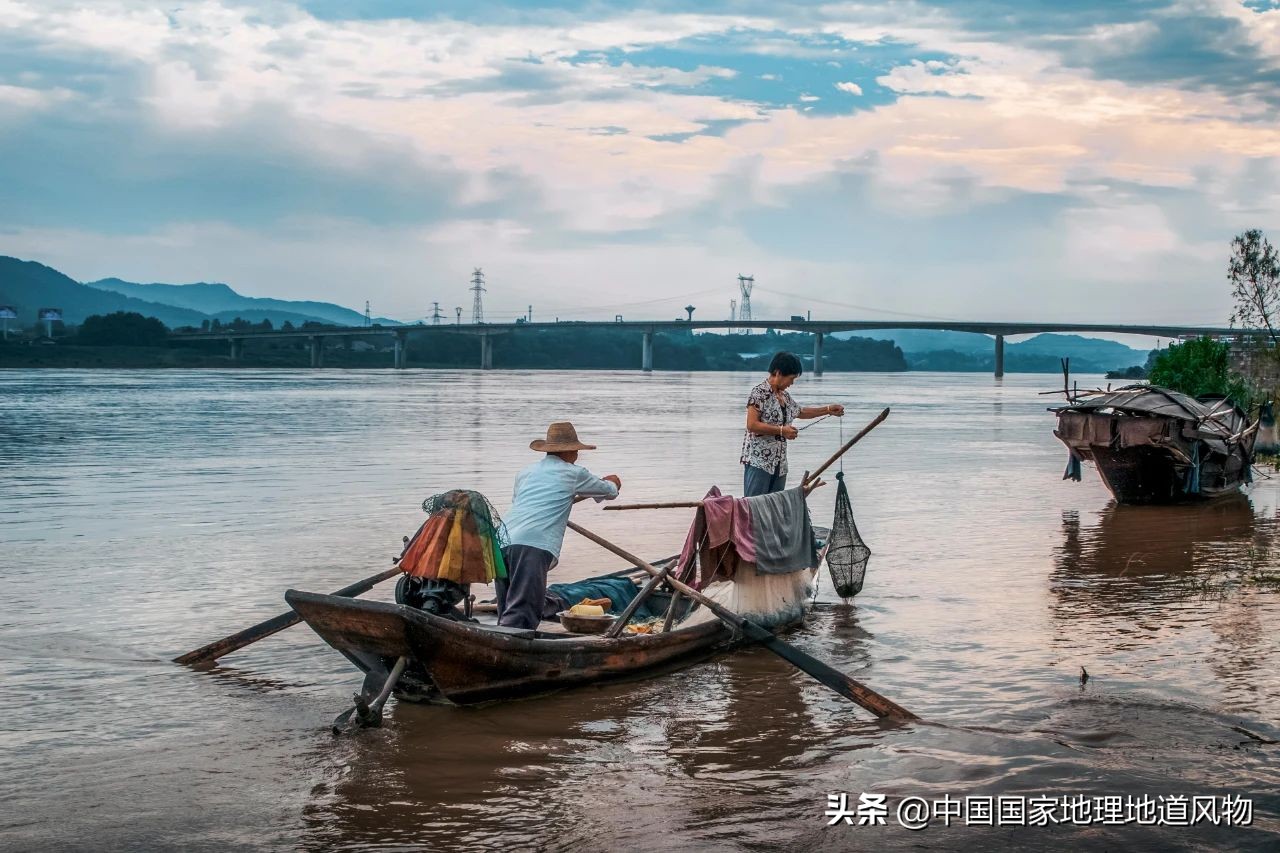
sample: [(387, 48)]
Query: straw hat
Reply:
[(561, 436)]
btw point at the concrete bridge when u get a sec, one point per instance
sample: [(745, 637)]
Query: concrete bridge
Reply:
[(486, 332)]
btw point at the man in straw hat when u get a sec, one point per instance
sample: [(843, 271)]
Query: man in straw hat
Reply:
[(536, 522)]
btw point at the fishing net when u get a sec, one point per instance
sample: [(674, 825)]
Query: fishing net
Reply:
[(847, 554), (461, 540)]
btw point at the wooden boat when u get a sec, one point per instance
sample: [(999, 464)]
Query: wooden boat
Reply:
[(1154, 445), (467, 662)]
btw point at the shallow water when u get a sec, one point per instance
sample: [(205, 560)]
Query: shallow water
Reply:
[(145, 513)]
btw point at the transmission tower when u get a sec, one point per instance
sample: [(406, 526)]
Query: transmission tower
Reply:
[(368, 320), (477, 303), (746, 282), (436, 316), (733, 313), (459, 311)]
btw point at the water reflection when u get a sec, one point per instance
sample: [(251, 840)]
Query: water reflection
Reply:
[(194, 498), (1137, 554), (1169, 581), (680, 750)]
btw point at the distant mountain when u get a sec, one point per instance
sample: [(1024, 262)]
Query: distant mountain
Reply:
[(927, 349), (219, 300), (1077, 346), (29, 286), (927, 340)]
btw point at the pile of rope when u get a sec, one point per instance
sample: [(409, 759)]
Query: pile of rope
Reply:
[(461, 540)]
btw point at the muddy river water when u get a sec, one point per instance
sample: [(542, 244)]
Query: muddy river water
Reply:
[(145, 513)]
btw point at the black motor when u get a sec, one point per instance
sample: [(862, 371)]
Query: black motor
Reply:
[(440, 597)]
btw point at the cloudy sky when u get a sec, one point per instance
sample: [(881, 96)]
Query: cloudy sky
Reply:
[(975, 160)]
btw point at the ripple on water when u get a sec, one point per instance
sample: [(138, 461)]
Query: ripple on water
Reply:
[(146, 512)]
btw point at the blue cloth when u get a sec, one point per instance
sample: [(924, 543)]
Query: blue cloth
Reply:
[(1073, 467), (542, 499), (1191, 482), (757, 481), (619, 591)]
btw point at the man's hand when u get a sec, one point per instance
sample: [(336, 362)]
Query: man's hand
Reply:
[(837, 410), (613, 478), (789, 432)]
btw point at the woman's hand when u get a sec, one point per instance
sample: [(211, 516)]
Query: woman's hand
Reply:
[(836, 409), (788, 432)]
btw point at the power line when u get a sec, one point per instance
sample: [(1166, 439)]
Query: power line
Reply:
[(808, 298)]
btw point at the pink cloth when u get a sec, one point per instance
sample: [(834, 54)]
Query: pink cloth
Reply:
[(720, 519), (729, 519)]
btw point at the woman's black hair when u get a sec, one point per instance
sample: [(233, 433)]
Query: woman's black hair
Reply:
[(786, 364)]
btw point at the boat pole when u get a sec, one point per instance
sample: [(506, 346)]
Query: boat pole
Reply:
[(831, 677)]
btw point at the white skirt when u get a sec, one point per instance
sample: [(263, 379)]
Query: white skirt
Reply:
[(770, 600)]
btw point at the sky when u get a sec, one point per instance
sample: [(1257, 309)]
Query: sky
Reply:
[(971, 160)]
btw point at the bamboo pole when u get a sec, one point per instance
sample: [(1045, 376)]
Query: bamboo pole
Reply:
[(666, 505)]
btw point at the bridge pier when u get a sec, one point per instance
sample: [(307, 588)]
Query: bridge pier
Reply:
[(646, 352), (237, 348), (401, 352), (317, 351), (817, 353), (999, 356), (486, 352)]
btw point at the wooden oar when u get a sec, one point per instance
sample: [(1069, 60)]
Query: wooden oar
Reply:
[(239, 640), (833, 678)]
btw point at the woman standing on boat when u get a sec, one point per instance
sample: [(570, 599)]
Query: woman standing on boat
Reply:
[(770, 411)]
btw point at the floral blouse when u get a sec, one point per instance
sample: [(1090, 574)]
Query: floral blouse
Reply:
[(769, 452)]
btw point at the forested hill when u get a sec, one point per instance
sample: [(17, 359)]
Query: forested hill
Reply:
[(29, 286)]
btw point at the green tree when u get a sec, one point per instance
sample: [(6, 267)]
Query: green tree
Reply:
[(1254, 273), (1198, 367), (123, 328)]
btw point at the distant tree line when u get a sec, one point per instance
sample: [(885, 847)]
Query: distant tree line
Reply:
[(123, 328), (605, 349)]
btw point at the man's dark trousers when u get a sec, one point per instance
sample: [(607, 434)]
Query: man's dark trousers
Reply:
[(522, 597)]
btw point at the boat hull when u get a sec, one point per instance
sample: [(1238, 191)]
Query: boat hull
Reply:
[(466, 663), (1148, 475)]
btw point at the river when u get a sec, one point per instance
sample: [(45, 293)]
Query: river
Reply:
[(143, 513)]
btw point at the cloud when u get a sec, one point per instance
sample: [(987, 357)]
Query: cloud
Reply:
[(289, 145)]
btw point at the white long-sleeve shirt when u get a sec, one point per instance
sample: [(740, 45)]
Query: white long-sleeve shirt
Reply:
[(543, 498)]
